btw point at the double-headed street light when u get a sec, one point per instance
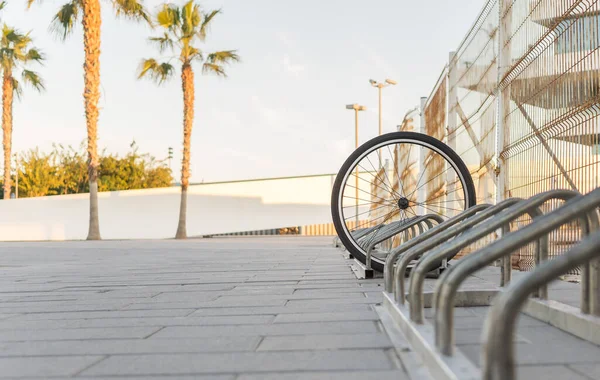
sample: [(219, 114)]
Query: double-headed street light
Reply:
[(380, 86), (357, 108), (374, 83)]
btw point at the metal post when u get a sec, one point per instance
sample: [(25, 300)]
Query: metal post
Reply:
[(421, 191), (356, 108), (451, 133), (380, 126), (356, 174), (503, 95)]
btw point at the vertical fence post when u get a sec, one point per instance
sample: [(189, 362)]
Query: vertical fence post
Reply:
[(451, 130), (502, 95), (421, 191)]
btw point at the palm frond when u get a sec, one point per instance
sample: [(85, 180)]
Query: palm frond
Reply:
[(65, 20), (223, 57), (211, 68), (206, 21), (164, 43), (33, 79), (191, 18), (34, 55), (132, 9), (158, 72), (17, 89), (215, 62), (169, 16)]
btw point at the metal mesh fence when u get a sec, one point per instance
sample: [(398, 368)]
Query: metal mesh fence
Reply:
[(519, 101)]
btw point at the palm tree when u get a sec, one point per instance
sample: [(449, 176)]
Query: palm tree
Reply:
[(183, 28), (63, 23), (16, 53)]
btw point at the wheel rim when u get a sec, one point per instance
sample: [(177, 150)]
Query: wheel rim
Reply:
[(373, 195)]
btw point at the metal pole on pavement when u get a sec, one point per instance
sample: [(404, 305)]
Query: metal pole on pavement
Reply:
[(356, 109), (380, 86)]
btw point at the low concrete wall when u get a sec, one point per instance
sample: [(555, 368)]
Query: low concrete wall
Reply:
[(152, 214)]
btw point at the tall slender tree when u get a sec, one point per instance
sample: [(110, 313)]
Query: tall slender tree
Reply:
[(16, 54), (63, 23), (182, 29)]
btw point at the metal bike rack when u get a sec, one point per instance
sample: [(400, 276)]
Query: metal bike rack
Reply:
[(448, 285), (429, 260), (405, 226), (435, 342), (389, 273), (431, 244), (391, 230), (500, 324)]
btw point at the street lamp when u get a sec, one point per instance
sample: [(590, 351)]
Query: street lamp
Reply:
[(357, 108), (380, 86)]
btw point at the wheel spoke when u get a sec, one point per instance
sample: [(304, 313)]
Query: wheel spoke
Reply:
[(391, 192)]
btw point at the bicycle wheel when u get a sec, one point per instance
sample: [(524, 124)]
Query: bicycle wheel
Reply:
[(392, 178)]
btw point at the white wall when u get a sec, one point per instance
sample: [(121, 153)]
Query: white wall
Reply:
[(152, 214)]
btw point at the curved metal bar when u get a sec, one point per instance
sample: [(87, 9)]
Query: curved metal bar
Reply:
[(529, 206), (452, 279), (590, 273), (469, 219), (362, 232), (409, 223), (499, 326), (386, 233), (388, 271)]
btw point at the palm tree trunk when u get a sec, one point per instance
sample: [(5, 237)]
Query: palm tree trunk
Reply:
[(7, 104), (187, 84), (91, 94)]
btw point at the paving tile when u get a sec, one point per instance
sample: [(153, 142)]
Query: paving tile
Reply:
[(77, 334), (241, 362), (46, 366), (324, 317), (591, 370), (329, 375), (324, 342), (130, 346), (106, 314), (344, 327), (135, 322), (279, 309), (548, 372)]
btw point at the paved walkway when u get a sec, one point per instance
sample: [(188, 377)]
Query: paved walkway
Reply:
[(228, 308)]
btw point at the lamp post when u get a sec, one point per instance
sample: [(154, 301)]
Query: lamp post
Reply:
[(380, 86), (357, 108)]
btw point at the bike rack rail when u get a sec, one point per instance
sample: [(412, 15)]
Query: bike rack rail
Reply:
[(442, 225), (500, 324), (391, 232), (447, 286), (436, 343), (498, 220), (412, 251)]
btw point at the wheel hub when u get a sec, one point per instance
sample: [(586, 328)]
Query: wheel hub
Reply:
[(403, 203)]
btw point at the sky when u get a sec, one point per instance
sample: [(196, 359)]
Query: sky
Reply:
[(281, 110)]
